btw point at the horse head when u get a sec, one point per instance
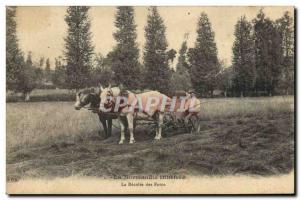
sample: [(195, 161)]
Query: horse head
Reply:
[(86, 97), (108, 97)]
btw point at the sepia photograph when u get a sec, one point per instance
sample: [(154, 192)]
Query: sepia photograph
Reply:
[(143, 100)]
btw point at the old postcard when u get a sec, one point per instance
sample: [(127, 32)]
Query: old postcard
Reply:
[(150, 100)]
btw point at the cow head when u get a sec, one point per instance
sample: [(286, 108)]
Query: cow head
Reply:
[(86, 97)]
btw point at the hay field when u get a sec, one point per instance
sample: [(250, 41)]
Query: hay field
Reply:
[(251, 136)]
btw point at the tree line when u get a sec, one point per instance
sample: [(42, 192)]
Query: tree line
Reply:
[(262, 57)]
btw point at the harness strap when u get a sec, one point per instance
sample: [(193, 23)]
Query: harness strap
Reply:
[(127, 104)]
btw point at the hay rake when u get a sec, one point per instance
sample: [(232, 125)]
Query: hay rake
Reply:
[(171, 123)]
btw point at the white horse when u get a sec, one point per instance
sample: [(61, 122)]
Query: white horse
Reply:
[(150, 103)]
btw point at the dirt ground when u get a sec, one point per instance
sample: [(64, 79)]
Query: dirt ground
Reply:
[(249, 145)]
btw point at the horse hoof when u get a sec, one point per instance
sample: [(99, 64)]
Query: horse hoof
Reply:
[(121, 142), (131, 141)]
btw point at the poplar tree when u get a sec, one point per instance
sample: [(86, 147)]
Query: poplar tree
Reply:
[(125, 56), (47, 70), (78, 47), (59, 74), (268, 53), (243, 57), (286, 28), (157, 71), (203, 58), (181, 79), (14, 57)]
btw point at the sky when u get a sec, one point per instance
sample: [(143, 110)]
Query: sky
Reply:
[(41, 30)]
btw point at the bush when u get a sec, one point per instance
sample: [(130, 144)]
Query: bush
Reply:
[(44, 86)]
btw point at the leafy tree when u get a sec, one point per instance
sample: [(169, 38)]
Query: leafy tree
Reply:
[(181, 79), (27, 78), (286, 29), (268, 53), (243, 57), (102, 72), (21, 76), (125, 56), (157, 71), (225, 79), (14, 57), (203, 58), (78, 47), (59, 74)]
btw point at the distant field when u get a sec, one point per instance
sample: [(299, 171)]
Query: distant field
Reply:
[(42, 92), (38, 95), (245, 107), (248, 136), (41, 95)]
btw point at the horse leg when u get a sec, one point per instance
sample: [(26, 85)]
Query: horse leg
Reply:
[(155, 119), (125, 122), (134, 125), (195, 124), (159, 127), (130, 127), (198, 125), (187, 118), (103, 122), (109, 128), (122, 130)]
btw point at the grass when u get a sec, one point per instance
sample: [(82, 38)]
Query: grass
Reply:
[(247, 136), (243, 107), (38, 122)]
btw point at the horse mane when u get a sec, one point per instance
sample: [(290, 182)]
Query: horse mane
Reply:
[(115, 91)]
